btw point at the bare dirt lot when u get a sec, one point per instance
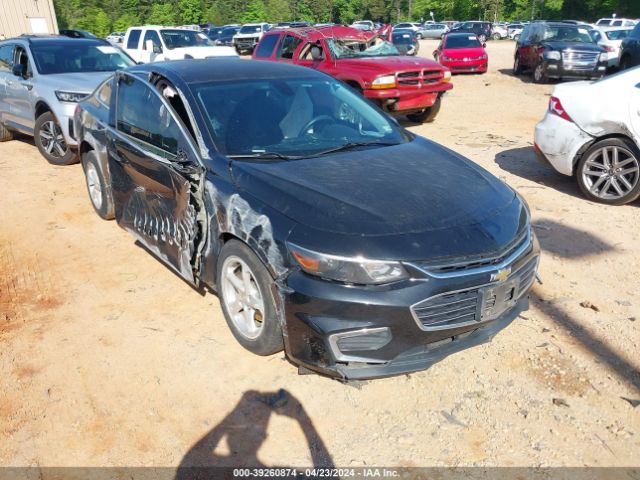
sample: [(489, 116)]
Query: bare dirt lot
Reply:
[(107, 358)]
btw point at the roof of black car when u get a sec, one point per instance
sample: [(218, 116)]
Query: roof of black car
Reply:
[(35, 39), (225, 69)]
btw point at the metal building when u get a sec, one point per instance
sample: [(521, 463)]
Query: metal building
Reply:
[(27, 16)]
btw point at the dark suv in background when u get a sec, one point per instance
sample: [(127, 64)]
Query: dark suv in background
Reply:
[(481, 29), (558, 50), (630, 49)]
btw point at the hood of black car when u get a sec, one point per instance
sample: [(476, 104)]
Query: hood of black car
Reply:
[(576, 46), (418, 190)]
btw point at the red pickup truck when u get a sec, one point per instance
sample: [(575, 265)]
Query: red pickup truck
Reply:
[(400, 85)]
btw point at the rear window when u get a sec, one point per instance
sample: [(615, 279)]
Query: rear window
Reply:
[(265, 48), (134, 38), (617, 34)]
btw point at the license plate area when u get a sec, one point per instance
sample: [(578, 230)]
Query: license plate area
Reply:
[(497, 299)]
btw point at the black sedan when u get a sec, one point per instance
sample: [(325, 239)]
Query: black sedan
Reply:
[(325, 228)]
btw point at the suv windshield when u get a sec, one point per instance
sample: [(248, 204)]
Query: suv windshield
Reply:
[(355, 49), (462, 41), (250, 29), (184, 38), (272, 119), (72, 57), (567, 33)]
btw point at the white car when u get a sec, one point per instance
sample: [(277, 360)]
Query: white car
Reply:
[(592, 131), (115, 37), (366, 25), (499, 32), (610, 38), (616, 22), (154, 44)]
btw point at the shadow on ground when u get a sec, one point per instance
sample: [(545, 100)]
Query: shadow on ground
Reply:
[(245, 430), (569, 242), (603, 353)]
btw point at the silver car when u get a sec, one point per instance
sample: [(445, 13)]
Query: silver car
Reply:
[(41, 80), (434, 30)]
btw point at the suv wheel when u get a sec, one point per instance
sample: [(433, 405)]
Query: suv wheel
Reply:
[(244, 287), (5, 134), (517, 67), (609, 172), (97, 186), (496, 36), (427, 115), (50, 141), (540, 73)]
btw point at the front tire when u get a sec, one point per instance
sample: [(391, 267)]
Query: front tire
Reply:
[(609, 172), (97, 186), (482, 38), (245, 291), (50, 141), (496, 36), (540, 73), (624, 62), (517, 67), (428, 115)]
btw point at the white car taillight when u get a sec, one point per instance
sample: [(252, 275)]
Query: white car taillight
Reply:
[(556, 108)]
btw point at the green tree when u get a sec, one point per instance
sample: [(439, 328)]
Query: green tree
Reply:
[(277, 10), (162, 14), (255, 12), (190, 11)]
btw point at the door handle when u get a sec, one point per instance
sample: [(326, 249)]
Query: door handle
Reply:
[(9, 82), (28, 86)]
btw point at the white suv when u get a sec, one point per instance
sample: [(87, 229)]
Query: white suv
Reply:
[(155, 44)]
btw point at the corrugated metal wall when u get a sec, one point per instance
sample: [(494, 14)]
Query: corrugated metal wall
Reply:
[(25, 16)]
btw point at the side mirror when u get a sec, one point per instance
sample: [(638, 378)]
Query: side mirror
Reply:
[(157, 49), (18, 70)]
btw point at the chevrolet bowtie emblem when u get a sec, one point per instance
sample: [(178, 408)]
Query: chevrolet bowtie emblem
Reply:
[(501, 275)]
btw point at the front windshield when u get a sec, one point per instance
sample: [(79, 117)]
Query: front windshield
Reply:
[(567, 34), (251, 29), (462, 41), (72, 57), (184, 38), (290, 118), (343, 48), (617, 34)]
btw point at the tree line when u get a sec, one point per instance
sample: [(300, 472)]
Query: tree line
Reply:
[(104, 16)]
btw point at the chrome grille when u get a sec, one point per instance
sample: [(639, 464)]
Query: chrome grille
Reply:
[(449, 310), (579, 60), (417, 77)]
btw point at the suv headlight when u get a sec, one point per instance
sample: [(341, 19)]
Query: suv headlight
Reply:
[(349, 270), (386, 81), (72, 97), (552, 55)]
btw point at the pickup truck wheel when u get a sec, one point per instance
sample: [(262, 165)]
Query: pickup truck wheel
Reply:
[(97, 186), (609, 172), (244, 287), (50, 141), (5, 134), (428, 115)]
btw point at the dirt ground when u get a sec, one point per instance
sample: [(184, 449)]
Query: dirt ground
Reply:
[(107, 358)]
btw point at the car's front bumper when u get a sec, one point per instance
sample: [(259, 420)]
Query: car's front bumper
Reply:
[(466, 66), (558, 142), (383, 325), (408, 99), (560, 70)]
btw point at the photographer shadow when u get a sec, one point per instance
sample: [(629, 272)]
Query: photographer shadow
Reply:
[(245, 430)]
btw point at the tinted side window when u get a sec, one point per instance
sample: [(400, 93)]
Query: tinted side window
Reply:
[(143, 116), (6, 58), (265, 49), (288, 46), (134, 38), (155, 39), (636, 32)]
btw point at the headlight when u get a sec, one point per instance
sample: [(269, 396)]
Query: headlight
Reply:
[(72, 97), (553, 55), (386, 81), (483, 56), (447, 76), (348, 270)]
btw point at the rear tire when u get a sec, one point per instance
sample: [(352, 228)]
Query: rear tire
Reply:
[(101, 201), (50, 141), (624, 62), (428, 115), (496, 36), (517, 67), (245, 290), (5, 134)]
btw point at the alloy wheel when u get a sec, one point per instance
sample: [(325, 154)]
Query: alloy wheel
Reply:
[(52, 139), (242, 297), (94, 186), (611, 172)]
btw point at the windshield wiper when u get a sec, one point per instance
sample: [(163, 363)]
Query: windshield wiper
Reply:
[(264, 156), (352, 145)]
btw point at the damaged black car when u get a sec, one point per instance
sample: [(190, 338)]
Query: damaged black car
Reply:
[(326, 229)]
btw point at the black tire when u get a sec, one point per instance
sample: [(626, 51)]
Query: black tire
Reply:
[(482, 37), (269, 339), (540, 73), (517, 66), (496, 36), (628, 146), (58, 156), (428, 115), (5, 134), (419, 36), (624, 63), (104, 205)]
